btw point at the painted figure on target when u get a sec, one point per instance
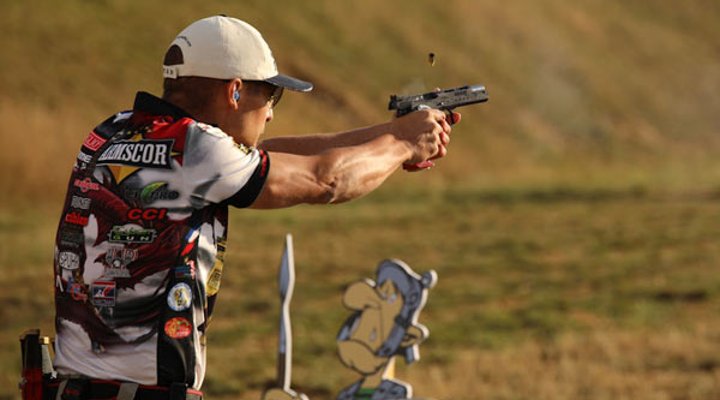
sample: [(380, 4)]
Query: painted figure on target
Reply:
[(383, 325)]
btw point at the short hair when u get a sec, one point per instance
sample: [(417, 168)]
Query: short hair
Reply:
[(194, 93), (191, 93)]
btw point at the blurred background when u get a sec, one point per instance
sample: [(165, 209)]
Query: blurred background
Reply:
[(574, 224)]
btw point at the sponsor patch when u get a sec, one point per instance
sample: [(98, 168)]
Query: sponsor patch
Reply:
[(120, 257), (151, 193), (190, 239), (86, 184), (186, 271), (77, 291), (117, 260), (82, 203), (103, 293), (84, 157), (76, 218), (146, 214), (180, 297), (68, 260), (131, 233), (178, 328), (187, 249), (93, 141), (213, 283), (139, 153), (71, 238)]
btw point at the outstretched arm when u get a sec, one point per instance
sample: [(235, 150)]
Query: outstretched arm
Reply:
[(340, 167), (314, 144)]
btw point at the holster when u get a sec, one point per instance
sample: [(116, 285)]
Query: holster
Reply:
[(31, 379)]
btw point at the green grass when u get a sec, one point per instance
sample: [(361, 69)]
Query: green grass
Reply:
[(514, 269)]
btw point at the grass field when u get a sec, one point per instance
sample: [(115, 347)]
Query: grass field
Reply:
[(572, 295), (574, 225)]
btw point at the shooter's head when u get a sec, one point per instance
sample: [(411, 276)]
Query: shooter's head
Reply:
[(221, 70)]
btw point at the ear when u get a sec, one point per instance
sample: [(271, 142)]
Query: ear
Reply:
[(232, 92)]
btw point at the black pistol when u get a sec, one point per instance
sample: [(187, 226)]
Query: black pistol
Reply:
[(445, 100)]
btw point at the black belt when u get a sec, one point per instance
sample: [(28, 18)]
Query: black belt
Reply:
[(97, 389)]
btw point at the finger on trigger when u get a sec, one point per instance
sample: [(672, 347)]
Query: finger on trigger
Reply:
[(456, 117)]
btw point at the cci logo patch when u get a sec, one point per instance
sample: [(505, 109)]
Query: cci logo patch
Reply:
[(178, 328), (147, 214), (180, 297)]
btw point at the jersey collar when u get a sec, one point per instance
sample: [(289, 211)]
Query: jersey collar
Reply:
[(153, 105)]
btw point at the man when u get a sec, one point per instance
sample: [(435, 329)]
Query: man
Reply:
[(140, 245)]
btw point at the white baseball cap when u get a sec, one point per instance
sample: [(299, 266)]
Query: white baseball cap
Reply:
[(222, 47)]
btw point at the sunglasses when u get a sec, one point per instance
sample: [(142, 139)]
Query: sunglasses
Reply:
[(275, 95)]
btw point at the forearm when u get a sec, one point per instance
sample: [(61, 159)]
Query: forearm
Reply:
[(315, 144), (343, 166), (335, 175), (355, 171)]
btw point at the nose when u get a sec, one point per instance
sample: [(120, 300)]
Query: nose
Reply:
[(269, 115)]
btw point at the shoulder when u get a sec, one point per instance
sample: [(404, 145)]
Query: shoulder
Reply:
[(202, 133), (207, 129)]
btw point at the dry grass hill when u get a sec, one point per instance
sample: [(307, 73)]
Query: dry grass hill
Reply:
[(574, 224)]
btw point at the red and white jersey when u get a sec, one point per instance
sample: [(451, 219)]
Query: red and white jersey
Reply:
[(140, 244)]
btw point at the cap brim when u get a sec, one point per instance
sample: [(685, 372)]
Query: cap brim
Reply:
[(291, 83)]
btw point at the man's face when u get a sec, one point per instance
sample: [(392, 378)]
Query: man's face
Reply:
[(256, 109), (262, 99)]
